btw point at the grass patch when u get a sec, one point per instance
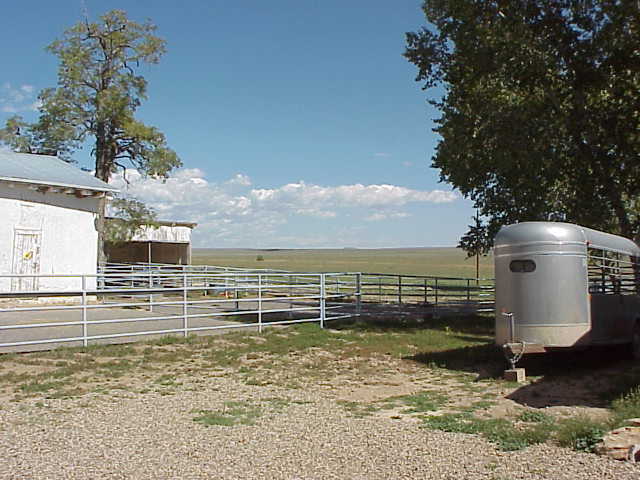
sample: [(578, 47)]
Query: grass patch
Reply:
[(357, 409), (167, 380), (424, 402), (40, 387), (534, 416), (581, 433), (627, 406), (500, 432), (233, 413)]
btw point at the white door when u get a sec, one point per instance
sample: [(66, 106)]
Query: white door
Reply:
[(26, 259)]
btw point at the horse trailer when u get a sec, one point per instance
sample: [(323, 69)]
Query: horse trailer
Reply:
[(560, 285)]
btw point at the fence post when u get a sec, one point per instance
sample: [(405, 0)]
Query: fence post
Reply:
[(468, 291), (150, 293), (399, 289), (291, 294), (358, 293), (85, 342), (235, 290), (435, 308), (426, 299), (259, 303), (380, 289), (322, 300), (185, 311)]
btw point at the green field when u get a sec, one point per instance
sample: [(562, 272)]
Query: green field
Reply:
[(437, 261)]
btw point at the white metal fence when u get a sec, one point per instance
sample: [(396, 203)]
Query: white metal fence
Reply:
[(124, 302), (127, 305)]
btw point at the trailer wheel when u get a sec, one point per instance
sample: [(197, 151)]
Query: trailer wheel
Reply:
[(635, 341)]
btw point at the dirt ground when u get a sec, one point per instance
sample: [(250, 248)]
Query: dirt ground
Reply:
[(562, 385)]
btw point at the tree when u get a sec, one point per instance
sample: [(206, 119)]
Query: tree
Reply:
[(540, 112), (475, 242), (96, 98), (23, 137), (128, 216)]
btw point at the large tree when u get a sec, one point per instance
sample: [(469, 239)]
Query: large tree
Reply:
[(540, 107), (98, 93)]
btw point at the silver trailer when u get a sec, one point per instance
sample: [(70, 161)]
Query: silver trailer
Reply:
[(560, 285)]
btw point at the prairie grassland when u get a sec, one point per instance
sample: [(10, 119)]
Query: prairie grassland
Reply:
[(440, 261)]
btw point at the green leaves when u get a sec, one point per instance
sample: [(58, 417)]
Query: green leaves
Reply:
[(97, 96), (128, 216), (99, 92), (540, 116)]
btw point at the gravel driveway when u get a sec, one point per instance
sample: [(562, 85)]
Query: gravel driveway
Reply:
[(299, 434)]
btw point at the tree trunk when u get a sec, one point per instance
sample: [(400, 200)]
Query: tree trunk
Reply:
[(103, 172)]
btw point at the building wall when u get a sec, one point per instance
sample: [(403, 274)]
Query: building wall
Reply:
[(163, 233), (63, 227)]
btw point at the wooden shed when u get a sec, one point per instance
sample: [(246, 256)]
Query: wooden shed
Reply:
[(168, 243)]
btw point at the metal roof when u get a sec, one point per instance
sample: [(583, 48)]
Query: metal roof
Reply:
[(559, 233), (47, 170)]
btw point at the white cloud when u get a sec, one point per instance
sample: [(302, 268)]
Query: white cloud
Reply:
[(15, 99), (240, 179), (378, 216), (356, 195), (381, 154), (232, 213)]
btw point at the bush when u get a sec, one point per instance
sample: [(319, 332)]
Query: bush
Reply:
[(534, 416), (626, 407), (581, 433)]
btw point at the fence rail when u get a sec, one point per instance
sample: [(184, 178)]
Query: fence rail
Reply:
[(124, 302)]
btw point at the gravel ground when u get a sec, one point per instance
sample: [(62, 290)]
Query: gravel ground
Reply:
[(302, 434)]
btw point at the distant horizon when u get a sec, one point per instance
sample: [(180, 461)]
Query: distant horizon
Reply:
[(324, 248)]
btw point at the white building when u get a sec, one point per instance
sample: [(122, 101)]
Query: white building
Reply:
[(48, 212)]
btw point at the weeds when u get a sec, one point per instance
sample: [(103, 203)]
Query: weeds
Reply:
[(424, 402), (580, 433), (627, 406), (499, 431), (357, 409), (534, 416), (232, 413)]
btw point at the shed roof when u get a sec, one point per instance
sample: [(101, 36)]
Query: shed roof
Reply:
[(165, 223), (47, 170)]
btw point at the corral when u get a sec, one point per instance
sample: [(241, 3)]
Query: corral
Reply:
[(151, 299)]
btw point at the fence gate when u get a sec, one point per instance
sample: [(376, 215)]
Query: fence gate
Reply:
[(26, 259)]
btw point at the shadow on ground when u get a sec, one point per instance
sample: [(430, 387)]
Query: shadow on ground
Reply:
[(591, 378), (463, 324)]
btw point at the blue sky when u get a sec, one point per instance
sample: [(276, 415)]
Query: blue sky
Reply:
[(299, 123)]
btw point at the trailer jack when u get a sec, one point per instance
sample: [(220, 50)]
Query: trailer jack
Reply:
[(513, 355)]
